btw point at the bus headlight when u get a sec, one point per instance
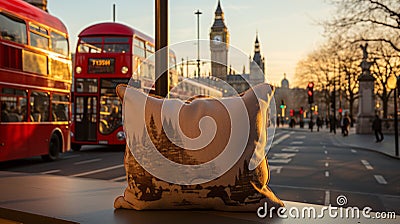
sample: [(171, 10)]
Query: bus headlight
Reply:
[(121, 135), (78, 69), (124, 70)]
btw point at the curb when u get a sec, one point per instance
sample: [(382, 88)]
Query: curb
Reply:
[(365, 149)]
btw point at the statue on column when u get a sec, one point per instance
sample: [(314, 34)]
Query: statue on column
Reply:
[(366, 106), (365, 65)]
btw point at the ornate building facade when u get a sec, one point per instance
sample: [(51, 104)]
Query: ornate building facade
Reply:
[(219, 45)]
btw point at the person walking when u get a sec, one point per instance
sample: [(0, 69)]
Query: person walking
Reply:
[(377, 127), (319, 123), (345, 125)]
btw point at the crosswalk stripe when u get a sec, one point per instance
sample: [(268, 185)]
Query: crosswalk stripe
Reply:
[(117, 179), (380, 179), (97, 171), (87, 161), (280, 139), (286, 161), (367, 165), (277, 168), (50, 171)]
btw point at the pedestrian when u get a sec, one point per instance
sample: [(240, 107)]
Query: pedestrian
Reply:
[(319, 123), (345, 125), (311, 124), (377, 127)]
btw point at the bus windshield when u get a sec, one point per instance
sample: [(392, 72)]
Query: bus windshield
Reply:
[(104, 45)]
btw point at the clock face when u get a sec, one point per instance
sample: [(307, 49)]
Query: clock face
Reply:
[(217, 39)]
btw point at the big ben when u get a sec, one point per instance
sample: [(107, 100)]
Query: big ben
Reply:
[(219, 45)]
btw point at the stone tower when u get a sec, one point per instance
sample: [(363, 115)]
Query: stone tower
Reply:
[(257, 69), (219, 45)]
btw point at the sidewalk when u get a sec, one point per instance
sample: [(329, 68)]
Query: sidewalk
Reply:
[(357, 141)]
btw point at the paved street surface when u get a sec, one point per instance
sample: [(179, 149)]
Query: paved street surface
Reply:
[(305, 167)]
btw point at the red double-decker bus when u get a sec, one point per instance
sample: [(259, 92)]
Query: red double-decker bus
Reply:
[(107, 54), (35, 83)]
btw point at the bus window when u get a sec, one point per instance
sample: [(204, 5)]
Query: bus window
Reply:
[(59, 43), (38, 36), (13, 105), (59, 105), (139, 48), (39, 106), (90, 45), (12, 29)]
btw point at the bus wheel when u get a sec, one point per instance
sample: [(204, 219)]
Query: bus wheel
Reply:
[(54, 148), (76, 147)]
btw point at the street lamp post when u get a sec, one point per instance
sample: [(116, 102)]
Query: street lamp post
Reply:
[(392, 84), (198, 13)]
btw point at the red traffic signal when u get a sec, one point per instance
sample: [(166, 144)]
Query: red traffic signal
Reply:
[(310, 85), (301, 110), (340, 110), (310, 93), (292, 112)]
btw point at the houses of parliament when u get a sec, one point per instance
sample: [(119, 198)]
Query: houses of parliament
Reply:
[(219, 47)]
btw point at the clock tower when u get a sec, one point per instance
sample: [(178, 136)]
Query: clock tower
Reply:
[(219, 45)]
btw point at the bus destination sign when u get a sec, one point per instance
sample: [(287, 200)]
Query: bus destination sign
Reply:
[(101, 65)]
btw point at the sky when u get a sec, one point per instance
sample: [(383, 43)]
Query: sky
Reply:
[(287, 29)]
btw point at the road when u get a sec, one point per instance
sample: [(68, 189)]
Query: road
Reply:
[(305, 167)]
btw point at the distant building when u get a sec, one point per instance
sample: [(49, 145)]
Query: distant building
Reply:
[(219, 45)]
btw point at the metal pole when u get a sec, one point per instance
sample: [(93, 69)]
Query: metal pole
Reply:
[(113, 12), (162, 57), (198, 13), (396, 129)]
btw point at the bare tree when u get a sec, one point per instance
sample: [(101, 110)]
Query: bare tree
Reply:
[(367, 20), (386, 64)]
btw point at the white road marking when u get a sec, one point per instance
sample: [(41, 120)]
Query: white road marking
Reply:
[(50, 171), (291, 149), (119, 178), (277, 168), (367, 165), (326, 164), (280, 139), (324, 146), (354, 151), (300, 137), (286, 161), (87, 161), (380, 179), (70, 156), (97, 171), (326, 173), (297, 143), (282, 155), (326, 152), (327, 197)]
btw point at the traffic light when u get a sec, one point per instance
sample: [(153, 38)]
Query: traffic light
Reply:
[(282, 104), (310, 92), (291, 112), (301, 111)]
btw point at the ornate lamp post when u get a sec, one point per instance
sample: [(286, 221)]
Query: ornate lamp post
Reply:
[(392, 84)]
